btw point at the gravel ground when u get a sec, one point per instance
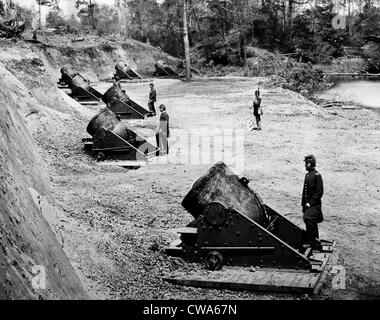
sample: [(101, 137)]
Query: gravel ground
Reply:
[(112, 216)]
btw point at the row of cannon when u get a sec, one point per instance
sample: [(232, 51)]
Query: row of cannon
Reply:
[(112, 138), (231, 225)]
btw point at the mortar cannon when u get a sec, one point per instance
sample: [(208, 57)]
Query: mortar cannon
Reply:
[(115, 93), (124, 71), (114, 139), (233, 226), (67, 74), (119, 103), (164, 70), (79, 86)]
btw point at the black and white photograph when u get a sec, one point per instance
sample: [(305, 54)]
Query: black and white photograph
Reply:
[(203, 153)]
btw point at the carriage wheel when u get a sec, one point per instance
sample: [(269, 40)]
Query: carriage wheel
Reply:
[(214, 261)]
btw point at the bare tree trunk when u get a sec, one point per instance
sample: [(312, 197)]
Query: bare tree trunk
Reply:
[(39, 16), (92, 15), (5, 6), (239, 16), (186, 41)]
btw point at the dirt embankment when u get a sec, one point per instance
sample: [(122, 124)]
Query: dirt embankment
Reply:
[(27, 243), (32, 103), (96, 57)]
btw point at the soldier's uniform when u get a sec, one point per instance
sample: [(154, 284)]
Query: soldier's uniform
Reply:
[(257, 110), (311, 202), (163, 134), (152, 100)]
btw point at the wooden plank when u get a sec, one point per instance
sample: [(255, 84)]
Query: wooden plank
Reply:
[(322, 274), (295, 279), (187, 230), (263, 281), (308, 281), (285, 270), (232, 285), (123, 163), (88, 103)]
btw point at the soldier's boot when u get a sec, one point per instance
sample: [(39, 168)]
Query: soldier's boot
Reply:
[(259, 125)]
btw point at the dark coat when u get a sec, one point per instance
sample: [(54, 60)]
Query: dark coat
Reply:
[(256, 107), (164, 123), (312, 193), (153, 95)]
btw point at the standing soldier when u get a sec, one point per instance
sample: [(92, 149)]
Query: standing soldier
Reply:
[(162, 133), (152, 99), (311, 201), (257, 109)]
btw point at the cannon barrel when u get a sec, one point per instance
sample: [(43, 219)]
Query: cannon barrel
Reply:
[(163, 69), (122, 67), (68, 73), (220, 184), (161, 64), (107, 120), (115, 92), (79, 82)]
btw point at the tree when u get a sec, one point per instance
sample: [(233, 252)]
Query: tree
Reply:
[(88, 10), (107, 20), (46, 3), (12, 21), (55, 20), (186, 40)]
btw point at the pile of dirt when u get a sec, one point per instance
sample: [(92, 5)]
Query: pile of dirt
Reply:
[(27, 243), (96, 57)]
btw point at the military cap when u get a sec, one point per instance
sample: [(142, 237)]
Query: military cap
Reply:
[(311, 158)]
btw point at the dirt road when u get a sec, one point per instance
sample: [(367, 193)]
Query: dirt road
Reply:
[(113, 215)]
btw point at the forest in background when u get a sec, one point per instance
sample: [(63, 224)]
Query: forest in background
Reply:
[(264, 37)]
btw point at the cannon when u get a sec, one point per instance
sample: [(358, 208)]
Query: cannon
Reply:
[(113, 139), (119, 103), (123, 71), (67, 74), (79, 86), (233, 226), (164, 70)]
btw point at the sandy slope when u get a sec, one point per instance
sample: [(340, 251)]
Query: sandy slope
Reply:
[(27, 242)]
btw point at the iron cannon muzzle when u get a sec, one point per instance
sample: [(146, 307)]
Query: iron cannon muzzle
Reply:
[(115, 93), (125, 72)]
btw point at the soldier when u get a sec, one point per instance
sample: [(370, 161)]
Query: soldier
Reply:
[(162, 133), (311, 201), (257, 110), (152, 99)]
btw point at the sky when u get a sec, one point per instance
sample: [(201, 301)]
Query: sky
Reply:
[(30, 3), (67, 6)]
